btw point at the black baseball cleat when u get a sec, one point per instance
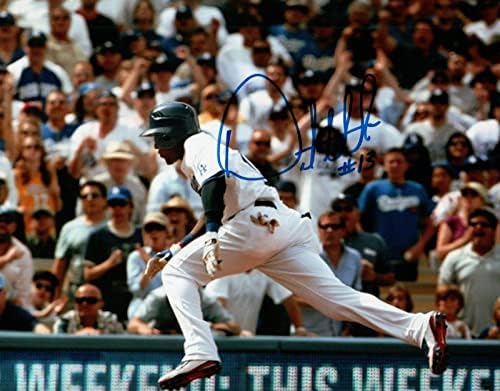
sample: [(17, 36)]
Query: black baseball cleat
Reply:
[(187, 371), (435, 343)]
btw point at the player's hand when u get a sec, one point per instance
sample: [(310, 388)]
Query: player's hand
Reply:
[(159, 260), (211, 253)]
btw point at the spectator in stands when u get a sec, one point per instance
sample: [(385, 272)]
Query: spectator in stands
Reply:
[(259, 150), (451, 301), (448, 26), (180, 217), (144, 16), (283, 141), (419, 162), (458, 149), (399, 296), (345, 263), (257, 106), (89, 140), (375, 267), (475, 268), (56, 134), (454, 231), (36, 181), (119, 161), (108, 59), (45, 306), (441, 180), (35, 76), (209, 109), (203, 14), (7, 186), (85, 103), (15, 318), (100, 27), (156, 238), (42, 241), (388, 204), (486, 27), (16, 263), (156, 316), (107, 251), (293, 33), (493, 331), (72, 241), (242, 294), (61, 49), (88, 318), (368, 161), (10, 51), (287, 192), (437, 129)]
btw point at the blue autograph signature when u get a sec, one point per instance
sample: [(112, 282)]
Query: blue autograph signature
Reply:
[(362, 128)]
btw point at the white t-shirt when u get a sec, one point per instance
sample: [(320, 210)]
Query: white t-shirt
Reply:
[(92, 159), (484, 136), (485, 33), (244, 293)]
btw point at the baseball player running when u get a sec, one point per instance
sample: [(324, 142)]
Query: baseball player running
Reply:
[(247, 226)]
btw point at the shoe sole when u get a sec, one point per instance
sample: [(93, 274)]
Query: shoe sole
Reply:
[(440, 350), (183, 379)]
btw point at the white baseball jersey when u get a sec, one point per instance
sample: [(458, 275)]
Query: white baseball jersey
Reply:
[(200, 164)]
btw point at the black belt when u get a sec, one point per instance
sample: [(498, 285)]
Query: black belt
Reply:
[(267, 203)]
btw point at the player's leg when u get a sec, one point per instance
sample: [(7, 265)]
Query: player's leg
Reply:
[(306, 274), (181, 278)]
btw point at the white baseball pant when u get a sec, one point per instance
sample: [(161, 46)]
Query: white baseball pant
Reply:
[(291, 257)]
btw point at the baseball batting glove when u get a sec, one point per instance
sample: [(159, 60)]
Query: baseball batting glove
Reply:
[(211, 253), (160, 259)]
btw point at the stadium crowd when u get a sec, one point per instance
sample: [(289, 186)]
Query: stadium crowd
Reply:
[(397, 105)]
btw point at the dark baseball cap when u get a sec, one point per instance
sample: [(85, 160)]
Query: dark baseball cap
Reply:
[(439, 96), (119, 193), (146, 88), (6, 19), (43, 211), (37, 39), (108, 46), (164, 64), (343, 200), (184, 12), (310, 77), (206, 59)]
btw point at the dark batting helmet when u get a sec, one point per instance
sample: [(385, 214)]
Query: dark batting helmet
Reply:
[(172, 123)]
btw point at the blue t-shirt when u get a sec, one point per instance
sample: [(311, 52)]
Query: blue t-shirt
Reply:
[(293, 41), (395, 212), (49, 134)]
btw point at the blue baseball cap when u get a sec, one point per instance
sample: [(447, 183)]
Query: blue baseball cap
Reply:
[(119, 193), (87, 87)]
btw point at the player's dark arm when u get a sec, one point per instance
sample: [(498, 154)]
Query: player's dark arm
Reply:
[(212, 198)]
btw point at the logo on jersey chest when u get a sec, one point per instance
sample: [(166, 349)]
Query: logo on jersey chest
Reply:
[(202, 168)]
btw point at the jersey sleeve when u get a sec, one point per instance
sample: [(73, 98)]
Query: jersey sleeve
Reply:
[(201, 157)]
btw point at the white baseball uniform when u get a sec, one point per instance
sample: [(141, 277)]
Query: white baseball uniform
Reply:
[(290, 256)]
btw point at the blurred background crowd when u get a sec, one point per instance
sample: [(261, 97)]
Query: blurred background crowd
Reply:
[(397, 106)]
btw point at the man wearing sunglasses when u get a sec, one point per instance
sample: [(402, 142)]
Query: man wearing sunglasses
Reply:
[(88, 318), (475, 268), (70, 246), (344, 262)]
